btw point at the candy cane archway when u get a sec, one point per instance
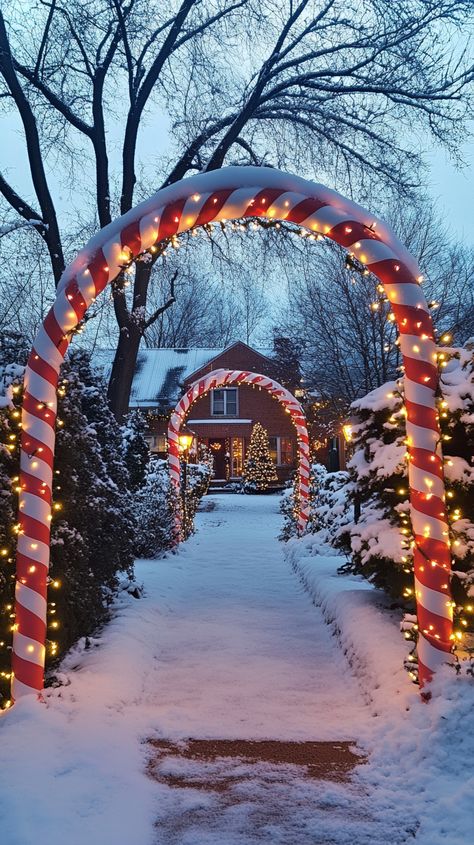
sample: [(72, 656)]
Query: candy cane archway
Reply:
[(224, 378), (232, 193)]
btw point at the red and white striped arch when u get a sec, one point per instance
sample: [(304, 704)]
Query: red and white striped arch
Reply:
[(232, 193), (224, 378)]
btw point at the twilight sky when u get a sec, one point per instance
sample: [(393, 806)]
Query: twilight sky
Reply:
[(455, 190), (452, 188)]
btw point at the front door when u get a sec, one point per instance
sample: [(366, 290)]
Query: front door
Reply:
[(217, 447)]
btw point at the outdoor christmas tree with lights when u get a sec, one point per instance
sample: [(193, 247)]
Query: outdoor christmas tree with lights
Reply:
[(259, 469)]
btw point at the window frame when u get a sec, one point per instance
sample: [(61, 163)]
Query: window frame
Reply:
[(278, 451), (225, 391)]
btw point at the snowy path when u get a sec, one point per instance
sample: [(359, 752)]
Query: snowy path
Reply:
[(225, 645), (244, 652)]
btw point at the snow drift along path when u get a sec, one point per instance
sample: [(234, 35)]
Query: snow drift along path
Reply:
[(225, 644)]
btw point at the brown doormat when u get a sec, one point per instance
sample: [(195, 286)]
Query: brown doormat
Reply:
[(320, 760)]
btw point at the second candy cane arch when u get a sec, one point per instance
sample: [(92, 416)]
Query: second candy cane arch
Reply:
[(223, 378)]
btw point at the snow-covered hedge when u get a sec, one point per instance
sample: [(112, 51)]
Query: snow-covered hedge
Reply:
[(99, 470), (199, 476), (154, 512), (330, 508), (156, 503), (366, 513)]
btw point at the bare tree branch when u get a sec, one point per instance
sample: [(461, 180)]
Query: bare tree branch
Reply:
[(38, 175)]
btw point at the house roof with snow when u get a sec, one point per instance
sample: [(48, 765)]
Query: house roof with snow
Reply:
[(160, 373)]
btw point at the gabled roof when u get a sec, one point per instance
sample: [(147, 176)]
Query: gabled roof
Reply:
[(160, 373), (262, 353)]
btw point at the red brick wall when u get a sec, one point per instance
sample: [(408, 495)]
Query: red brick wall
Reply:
[(253, 404), (238, 357)]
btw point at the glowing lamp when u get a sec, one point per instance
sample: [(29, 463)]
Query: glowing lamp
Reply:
[(185, 439), (347, 432)]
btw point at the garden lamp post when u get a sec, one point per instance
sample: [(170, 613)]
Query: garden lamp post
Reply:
[(185, 440), (348, 433)]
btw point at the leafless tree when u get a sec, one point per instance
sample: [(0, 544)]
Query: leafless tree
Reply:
[(310, 85), (343, 320), (219, 286), (25, 291), (347, 337), (448, 265), (202, 316)]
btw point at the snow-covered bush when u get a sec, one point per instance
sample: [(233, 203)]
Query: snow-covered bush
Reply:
[(287, 508), (329, 510), (154, 510), (156, 505), (136, 450), (199, 476), (379, 541)]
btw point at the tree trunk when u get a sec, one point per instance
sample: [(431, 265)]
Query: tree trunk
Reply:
[(123, 369), (132, 328)]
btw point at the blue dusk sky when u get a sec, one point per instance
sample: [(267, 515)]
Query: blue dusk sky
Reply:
[(451, 187), (454, 189)]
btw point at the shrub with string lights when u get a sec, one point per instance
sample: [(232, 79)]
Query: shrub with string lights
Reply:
[(381, 541), (93, 525), (10, 404)]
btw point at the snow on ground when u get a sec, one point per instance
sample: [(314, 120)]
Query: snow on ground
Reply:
[(360, 616), (227, 643), (421, 753)]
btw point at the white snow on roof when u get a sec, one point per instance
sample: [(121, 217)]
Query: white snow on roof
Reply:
[(160, 373)]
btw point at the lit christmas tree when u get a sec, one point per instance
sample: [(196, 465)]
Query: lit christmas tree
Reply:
[(259, 469)]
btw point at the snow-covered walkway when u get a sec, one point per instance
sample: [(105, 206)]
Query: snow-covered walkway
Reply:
[(225, 644), (243, 651)]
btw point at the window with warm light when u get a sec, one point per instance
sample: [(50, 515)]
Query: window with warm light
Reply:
[(157, 443), (282, 450), (286, 451)]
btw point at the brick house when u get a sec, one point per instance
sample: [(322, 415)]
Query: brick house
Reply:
[(223, 420)]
